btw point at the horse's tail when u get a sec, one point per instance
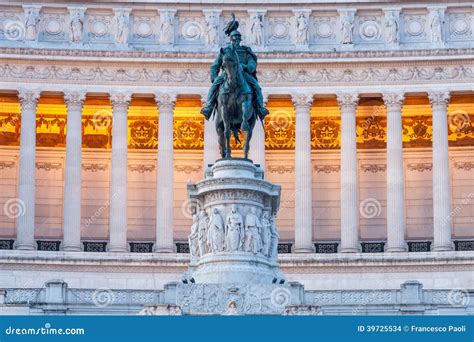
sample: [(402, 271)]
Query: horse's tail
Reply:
[(235, 132)]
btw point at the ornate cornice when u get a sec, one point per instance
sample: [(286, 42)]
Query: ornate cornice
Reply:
[(342, 56), (198, 75)]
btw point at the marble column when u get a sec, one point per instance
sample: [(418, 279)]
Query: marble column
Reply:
[(211, 145), (73, 170), (303, 176), (395, 174), (164, 175), (118, 183), (25, 222), (349, 175), (442, 220), (257, 143)]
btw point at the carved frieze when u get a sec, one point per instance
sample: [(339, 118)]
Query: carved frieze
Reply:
[(141, 168), (48, 166), (94, 167)]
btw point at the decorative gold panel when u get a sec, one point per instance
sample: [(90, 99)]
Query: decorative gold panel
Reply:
[(280, 129), (142, 133), (50, 131), (97, 131), (417, 131), (325, 133), (188, 127), (188, 133), (10, 129), (370, 132)]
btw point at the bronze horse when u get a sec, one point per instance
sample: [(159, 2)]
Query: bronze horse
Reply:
[(235, 109)]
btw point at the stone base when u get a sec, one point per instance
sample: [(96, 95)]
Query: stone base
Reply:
[(236, 267), (238, 299)]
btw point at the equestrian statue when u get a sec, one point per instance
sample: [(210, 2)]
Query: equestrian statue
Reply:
[(235, 96)]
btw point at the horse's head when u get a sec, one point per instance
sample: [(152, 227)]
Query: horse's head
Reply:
[(231, 65)]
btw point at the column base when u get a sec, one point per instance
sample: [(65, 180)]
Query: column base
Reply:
[(162, 249), (443, 248), (24, 247)]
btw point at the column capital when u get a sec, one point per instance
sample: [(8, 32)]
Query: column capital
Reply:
[(74, 98), (165, 101), (28, 98), (303, 101), (120, 98), (439, 98), (347, 99), (395, 98)]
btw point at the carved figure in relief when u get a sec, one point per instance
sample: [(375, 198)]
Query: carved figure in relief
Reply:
[(266, 233), (257, 29), (253, 226), (302, 37), (392, 28), (31, 24), (76, 27), (436, 28), (212, 22), (202, 232), (166, 29), (216, 235), (274, 239), (193, 238), (347, 27), (121, 35), (234, 230)]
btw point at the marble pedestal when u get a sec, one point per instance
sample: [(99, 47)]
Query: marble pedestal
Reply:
[(236, 237), (233, 246)]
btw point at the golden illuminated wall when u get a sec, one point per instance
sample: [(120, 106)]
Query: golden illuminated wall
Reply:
[(371, 121)]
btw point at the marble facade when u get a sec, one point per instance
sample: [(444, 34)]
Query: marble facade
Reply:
[(370, 135)]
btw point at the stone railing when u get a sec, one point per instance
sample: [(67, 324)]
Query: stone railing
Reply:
[(280, 28)]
